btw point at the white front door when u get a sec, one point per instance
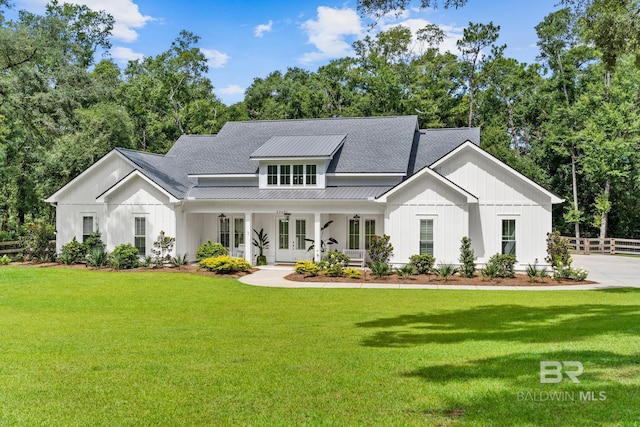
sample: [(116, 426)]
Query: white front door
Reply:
[(291, 243)]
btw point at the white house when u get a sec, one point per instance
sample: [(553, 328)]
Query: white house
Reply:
[(369, 176)]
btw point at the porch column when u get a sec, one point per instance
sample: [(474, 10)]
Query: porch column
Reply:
[(248, 235), (317, 243)]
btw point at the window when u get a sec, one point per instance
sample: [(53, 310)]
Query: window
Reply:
[(272, 175), (426, 236), (298, 174), (311, 174), (301, 234), (283, 241), (238, 231), (224, 232), (285, 174), (354, 234), (140, 235), (369, 232), (509, 237), (87, 227)]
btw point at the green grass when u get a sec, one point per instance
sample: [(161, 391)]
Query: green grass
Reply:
[(104, 349)]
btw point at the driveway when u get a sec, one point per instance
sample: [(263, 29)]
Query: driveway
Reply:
[(614, 270)]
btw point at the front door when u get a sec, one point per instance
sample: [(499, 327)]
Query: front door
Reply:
[(292, 235)]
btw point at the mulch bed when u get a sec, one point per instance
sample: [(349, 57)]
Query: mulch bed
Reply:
[(423, 279)]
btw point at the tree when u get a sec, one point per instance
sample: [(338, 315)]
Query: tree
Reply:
[(379, 8), (475, 38)]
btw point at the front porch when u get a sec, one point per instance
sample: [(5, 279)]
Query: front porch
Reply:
[(292, 234)]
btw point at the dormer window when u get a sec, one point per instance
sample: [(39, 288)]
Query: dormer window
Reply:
[(292, 175), (296, 161)]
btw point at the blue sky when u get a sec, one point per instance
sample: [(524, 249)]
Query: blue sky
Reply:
[(245, 39)]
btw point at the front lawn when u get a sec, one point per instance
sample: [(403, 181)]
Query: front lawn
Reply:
[(149, 348)]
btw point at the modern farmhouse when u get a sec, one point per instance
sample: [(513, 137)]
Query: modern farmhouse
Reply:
[(364, 176)]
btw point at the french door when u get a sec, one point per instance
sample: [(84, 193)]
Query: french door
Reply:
[(291, 235)]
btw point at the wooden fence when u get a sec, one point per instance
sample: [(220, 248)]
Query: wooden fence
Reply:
[(610, 246), (9, 249)]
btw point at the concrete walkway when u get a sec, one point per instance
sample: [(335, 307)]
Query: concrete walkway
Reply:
[(608, 271)]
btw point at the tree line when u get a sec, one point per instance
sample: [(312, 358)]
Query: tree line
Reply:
[(569, 121)]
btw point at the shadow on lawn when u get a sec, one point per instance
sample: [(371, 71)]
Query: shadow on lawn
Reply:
[(511, 392), (504, 323)]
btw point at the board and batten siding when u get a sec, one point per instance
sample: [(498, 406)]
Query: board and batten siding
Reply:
[(426, 198), (502, 194), (78, 199), (138, 198)]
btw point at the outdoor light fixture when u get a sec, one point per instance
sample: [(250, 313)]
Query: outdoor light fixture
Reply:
[(287, 215), (356, 216), (221, 216)]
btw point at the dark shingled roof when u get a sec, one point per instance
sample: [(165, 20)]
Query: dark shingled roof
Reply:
[(303, 146), (164, 171), (358, 145), (373, 144)]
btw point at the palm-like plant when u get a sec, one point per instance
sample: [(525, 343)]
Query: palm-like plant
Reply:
[(261, 242), (323, 243)]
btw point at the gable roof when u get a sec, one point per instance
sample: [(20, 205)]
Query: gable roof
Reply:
[(303, 146), (162, 170), (372, 144), (498, 163), (134, 174), (432, 173), (435, 143)]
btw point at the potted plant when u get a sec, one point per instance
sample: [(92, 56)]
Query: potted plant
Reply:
[(261, 241)]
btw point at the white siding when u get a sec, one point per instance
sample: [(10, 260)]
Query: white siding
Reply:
[(427, 198), (138, 199), (502, 194), (79, 198)]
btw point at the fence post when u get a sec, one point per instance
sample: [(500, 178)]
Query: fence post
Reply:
[(586, 246), (612, 249)]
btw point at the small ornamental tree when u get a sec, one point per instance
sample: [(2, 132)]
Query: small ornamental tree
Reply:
[(467, 258), (162, 248), (37, 242), (380, 249), (557, 250)]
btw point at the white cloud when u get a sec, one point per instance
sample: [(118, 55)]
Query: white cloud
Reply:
[(125, 54), (232, 90), (328, 32), (126, 15), (216, 58), (263, 28)]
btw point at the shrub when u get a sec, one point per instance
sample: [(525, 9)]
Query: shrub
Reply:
[(225, 264), (467, 258), (37, 242), (307, 267), (5, 260), (162, 248), (127, 256), (490, 271), (380, 269), (147, 262), (504, 264), (405, 271), (210, 250), (98, 257), (72, 253), (536, 273), (380, 249), (557, 249), (423, 264), (335, 263), (444, 271), (562, 271), (179, 261), (352, 273), (93, 240)]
